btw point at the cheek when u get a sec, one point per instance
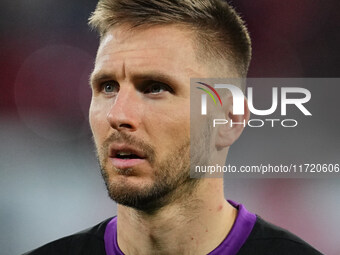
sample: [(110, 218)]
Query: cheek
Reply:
[(181, 120), (98, 122), (169, 126)]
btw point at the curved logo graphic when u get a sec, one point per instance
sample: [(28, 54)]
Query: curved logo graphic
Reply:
[(209, 93)]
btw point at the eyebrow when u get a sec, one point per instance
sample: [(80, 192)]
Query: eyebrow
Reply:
[(98, 77), (153, 75)]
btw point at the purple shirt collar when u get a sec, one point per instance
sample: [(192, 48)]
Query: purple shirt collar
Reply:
[(237, 236), (110, 238), (239, 233)]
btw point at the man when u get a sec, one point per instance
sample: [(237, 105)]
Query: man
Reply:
[(140, 119)]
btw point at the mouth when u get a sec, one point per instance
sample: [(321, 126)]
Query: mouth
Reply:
[(125, 156)]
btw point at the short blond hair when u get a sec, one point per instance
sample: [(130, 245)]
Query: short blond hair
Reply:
[(220, 31)]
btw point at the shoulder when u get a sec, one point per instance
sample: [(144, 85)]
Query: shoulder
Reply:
[(267, 238), (88, 241)]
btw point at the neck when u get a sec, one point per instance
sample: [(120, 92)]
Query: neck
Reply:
[(193, 225)]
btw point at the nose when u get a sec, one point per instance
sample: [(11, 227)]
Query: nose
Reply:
[(124, 114)]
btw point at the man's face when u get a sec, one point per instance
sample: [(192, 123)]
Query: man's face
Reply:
[(139, 113)]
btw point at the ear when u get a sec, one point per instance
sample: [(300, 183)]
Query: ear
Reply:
[(228, 133)]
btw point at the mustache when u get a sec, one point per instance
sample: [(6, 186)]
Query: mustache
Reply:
[(128, 139)]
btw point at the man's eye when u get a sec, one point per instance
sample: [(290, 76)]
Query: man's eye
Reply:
[(110, 87), (156, 88)]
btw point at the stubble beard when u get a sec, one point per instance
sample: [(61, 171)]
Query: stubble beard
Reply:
[(171, 180)]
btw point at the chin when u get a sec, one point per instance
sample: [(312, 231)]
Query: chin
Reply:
[(134, 192)]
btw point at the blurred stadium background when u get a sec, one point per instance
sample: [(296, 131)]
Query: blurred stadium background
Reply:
[(50, 185)]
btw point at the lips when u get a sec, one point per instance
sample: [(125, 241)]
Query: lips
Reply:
[(123, 150), (125, 156)]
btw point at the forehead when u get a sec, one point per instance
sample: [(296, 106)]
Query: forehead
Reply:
[(160, 33), (124, 38), (167, 47)]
